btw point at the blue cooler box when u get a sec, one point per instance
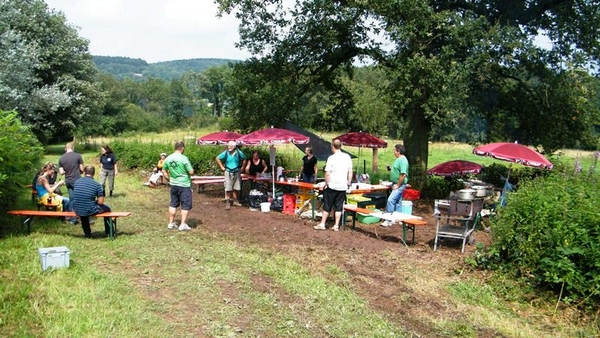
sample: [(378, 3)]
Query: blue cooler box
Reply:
[(407, 207)]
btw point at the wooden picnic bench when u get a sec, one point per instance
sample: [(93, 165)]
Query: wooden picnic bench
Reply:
[(407, 224), (27, 217)]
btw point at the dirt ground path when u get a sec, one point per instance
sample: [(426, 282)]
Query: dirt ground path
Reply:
[(371, 255)]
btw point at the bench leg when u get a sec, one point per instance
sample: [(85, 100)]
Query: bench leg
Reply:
[(407, 227), (26, 220), (112, 226)]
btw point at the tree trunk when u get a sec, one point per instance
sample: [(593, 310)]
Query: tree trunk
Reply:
[(374, 164), (416, 142)]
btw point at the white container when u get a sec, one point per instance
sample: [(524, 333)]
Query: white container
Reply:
[(407, 207), (54, 257), (265, 207)]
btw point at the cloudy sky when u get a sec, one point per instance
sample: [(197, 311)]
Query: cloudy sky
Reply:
[(153, 30)]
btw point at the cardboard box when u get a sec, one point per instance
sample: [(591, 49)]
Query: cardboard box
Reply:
[(54, 257)]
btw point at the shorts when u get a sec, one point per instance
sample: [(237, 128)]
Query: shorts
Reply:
[(333, 198), (181, 196), (232, 180)]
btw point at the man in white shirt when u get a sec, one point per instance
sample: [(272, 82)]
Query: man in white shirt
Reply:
[(338, 176)]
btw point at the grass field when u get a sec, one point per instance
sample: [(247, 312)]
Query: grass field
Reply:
[(153, 283)]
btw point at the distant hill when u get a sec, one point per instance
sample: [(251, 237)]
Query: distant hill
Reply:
[(138, 69)]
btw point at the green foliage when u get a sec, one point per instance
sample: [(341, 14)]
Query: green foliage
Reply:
[(435, 187), (140, 155), (20, 153), (462, 71), (549, 235), (138, 69), (45, 69)]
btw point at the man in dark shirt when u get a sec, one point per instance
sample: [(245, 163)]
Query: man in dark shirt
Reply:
[(70, 164), (88, 200)]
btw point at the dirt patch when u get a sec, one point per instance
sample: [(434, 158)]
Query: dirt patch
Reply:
[(380, 253)]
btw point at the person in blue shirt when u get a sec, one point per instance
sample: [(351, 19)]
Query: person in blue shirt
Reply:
[(231, 162), (88, 200)]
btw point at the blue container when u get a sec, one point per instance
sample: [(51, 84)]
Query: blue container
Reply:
[(407, 207)]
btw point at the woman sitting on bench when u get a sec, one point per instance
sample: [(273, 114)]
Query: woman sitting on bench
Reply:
[(46, 192)]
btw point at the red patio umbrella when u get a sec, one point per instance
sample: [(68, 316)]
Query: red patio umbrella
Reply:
[(455, 167), (363, 140), (220, 137), (273, 136), (514, 152)]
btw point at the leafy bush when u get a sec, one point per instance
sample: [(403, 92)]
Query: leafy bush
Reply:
[(139, 155), (20, 154), (549, 235), (436, 187)]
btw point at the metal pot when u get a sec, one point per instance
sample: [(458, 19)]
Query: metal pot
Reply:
[(467, 194), (480, 191)]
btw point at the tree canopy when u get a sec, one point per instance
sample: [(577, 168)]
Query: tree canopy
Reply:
[(445, 61), (46, 72)]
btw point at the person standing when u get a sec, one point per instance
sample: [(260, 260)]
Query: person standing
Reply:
[(88, 200), (70, 164), (177, 168), (308, 172), (109, 169), (399, 178), (231, 161), (338, 176)]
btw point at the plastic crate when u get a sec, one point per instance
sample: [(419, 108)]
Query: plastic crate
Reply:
[(355, 199), (366, 219), (380, 199), (289, 204), (300, 200), (54, 257), (411, 194)]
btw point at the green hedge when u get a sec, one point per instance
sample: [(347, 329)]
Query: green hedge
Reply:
[(144, 156), (20, 154), (548, 234)]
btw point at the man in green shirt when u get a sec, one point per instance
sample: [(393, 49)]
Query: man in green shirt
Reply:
[(178, 169), (399, 178)]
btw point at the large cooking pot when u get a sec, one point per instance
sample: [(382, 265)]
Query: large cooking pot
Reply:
[(467, 194), (480, 190)]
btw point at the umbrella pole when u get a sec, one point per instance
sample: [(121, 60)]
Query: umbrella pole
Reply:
[(274, 178)]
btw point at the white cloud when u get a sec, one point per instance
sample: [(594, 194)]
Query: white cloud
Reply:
[(153, 30)]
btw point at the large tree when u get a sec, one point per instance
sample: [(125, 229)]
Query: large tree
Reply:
[(443, 58), (46, 72)]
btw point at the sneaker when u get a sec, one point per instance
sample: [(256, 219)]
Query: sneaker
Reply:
[(171, 226), (227, 205), (184, 227), (237, 204), (336, 228), (147, 184), (386, 224), (319, 226)]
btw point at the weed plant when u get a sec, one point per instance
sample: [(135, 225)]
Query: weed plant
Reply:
[(548, 234)]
